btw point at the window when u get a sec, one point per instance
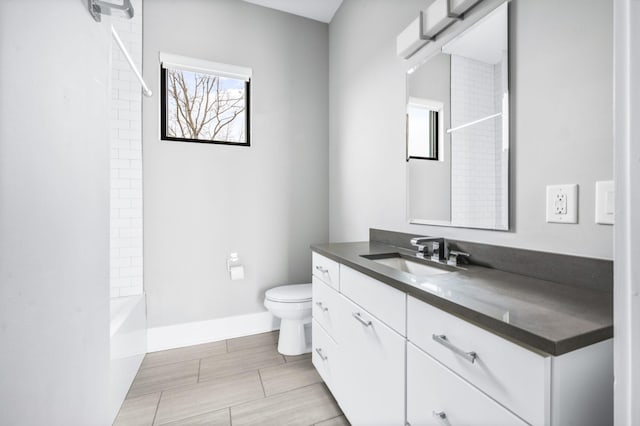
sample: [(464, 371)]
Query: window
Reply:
[(204, 102)]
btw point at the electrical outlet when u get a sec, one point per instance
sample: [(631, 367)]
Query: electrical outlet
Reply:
[(562, 203)]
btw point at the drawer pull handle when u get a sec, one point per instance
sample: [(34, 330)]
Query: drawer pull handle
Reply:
[(321, 306), (441, 415), (322, 269), (442, 339), (322, 357), (365, 322)]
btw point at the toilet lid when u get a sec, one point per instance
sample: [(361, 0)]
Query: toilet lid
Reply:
[(290, 293)]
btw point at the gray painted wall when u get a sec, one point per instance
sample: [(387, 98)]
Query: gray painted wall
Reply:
[(267, 202), (54, 214), (561, 86)]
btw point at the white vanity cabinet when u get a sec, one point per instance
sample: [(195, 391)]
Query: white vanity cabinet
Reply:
[(325, 358), (326, 269), (507, 383), (360, 357), (385, 302), (392, 359), (325, 354), (372, 370), (511, 374), (437, 396), (326, 301)]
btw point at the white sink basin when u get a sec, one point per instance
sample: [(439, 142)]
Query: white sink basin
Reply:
[(406, 265)]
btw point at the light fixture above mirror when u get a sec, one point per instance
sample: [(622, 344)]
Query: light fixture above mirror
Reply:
[(434, 21)]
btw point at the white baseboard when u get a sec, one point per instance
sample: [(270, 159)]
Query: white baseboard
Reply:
[(195, 333)]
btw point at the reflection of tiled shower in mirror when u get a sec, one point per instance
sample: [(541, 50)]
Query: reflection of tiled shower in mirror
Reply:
[(479, 130)]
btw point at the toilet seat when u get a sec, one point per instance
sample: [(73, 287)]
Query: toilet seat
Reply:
[(290, 293)]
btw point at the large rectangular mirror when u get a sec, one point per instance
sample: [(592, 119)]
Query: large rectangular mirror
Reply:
[(457, 130)]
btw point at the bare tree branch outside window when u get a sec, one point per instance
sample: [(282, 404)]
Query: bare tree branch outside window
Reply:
[(205, 107)]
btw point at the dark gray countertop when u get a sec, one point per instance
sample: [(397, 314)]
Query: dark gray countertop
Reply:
[(541, 315)]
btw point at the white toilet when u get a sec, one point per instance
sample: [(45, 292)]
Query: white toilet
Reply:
[(292, 304)]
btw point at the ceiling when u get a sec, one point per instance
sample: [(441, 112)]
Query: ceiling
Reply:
[(319, 10)]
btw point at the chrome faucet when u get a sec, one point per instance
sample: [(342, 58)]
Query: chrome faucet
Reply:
[(438, 244), (455, 256)]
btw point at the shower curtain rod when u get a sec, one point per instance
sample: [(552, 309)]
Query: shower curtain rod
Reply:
[(147, 92)]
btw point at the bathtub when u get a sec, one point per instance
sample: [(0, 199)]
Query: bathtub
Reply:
[(128, 346)]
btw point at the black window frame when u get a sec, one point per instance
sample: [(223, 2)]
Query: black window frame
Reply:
[(163, 115)]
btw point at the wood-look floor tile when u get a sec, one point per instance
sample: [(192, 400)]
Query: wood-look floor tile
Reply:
[(336, 421), (304, 406), (138, 411), (295, 358), (155, 359), (237, 362), (214, 418), (201, 398), (155, 379), (256, 340), (286, 377)]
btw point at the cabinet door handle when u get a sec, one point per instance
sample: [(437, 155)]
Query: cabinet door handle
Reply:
[(442, 339), (442, 416), (322, 269), (322, 308), (322, 357), (365, 322)]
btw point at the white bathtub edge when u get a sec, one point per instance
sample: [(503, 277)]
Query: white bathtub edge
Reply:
[(128, 347), (120, 309)]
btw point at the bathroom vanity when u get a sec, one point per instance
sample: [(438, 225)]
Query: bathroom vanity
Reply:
[(459, 345)]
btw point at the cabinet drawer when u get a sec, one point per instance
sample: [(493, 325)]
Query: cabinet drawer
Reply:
[(326, 269), (510, 374), (385, 302), (433, 388), (324, 356), (326, 303), (372, 369)]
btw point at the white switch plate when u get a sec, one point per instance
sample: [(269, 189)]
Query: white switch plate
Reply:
[(562, 203), (605, 202)]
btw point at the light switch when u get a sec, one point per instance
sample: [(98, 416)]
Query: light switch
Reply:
[(605, 202), (562, 203)]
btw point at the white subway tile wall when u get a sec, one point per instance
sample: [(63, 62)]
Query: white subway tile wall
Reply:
[(477, 159), (126, 160)]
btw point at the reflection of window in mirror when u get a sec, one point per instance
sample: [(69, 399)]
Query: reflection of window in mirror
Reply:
[(424, 126)]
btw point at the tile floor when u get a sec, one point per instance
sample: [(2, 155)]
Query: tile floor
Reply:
[(242, 381)]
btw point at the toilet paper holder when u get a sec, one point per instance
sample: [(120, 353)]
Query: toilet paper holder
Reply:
[(234, 267)]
